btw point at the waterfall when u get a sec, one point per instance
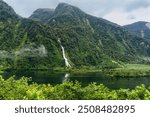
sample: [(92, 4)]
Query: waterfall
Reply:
[(64, 56)]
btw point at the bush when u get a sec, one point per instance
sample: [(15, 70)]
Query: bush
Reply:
[(12, 89)]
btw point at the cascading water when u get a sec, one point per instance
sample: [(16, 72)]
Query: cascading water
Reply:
[(64, 56)]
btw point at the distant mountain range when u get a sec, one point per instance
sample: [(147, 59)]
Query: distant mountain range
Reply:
[(66, 37), (142, 29)]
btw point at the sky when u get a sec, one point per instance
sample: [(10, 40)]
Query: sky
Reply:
[(121, 12)]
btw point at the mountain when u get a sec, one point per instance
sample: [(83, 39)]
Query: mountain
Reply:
[(111, 39), (141, 28), (67, 37), (42, 15), (7, 12)]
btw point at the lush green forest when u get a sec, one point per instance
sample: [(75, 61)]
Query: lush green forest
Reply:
[(11, 89), (32, 43)]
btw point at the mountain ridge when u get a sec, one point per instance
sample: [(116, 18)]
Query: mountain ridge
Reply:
[(7, 11), (68, 36), (62, 8)]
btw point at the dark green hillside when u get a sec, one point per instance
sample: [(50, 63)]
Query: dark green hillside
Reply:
[(29, 44), (68, 37)]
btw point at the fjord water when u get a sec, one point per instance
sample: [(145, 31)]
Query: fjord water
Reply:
[(48, 77)]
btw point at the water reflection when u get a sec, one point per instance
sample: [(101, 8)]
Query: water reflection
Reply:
[(66, 78), (47, 77)]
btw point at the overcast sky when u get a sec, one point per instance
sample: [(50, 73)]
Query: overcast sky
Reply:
[(118, 11)]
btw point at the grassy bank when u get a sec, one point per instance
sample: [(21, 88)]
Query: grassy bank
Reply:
[(130, 70), (126, 70)]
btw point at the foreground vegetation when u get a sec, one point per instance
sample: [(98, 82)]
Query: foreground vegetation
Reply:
[(11, 89)]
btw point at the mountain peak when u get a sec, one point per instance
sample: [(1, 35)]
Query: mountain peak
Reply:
[(67, 9), (63, 4)]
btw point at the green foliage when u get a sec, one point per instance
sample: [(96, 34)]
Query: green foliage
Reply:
[(98, 92), (11, 89)]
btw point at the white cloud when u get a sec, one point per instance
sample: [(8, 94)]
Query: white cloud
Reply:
[(118, 17), (124, 18), (134, 5)]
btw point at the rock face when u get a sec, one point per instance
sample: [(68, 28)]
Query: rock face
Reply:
[(141, 29), (86, 40)]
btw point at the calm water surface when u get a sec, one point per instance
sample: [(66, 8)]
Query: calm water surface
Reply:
[(46, 77)]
